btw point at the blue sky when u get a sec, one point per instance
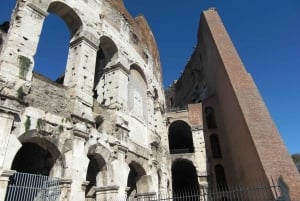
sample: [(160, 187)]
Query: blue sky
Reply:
[(266, 34)]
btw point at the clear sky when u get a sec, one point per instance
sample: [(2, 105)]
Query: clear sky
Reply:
[(266, 34)]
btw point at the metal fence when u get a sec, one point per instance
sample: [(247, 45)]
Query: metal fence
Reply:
[(31, 187), (236, 193)]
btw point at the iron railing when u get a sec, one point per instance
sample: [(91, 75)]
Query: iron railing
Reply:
[(31, 187), (258, 192)]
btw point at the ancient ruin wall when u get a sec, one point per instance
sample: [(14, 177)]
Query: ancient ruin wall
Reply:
[(69, 119)]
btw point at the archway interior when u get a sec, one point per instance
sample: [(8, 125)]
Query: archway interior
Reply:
[(33, 159), (221, 178), (184, 176), (95, 166), (131, 182), (135, 173), (180, 138), (107, 51)]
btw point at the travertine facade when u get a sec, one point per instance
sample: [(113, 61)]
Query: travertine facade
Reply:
[(103, 124), (103, 128)]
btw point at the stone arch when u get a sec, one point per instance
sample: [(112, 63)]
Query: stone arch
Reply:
[(180, 137), (137, 91), (138, 69), (38, 155), (97, 171), (69, 16), (135, 181), (106, 56), (184, 177)]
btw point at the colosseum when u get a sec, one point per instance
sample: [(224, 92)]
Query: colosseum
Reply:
[(107, 130)]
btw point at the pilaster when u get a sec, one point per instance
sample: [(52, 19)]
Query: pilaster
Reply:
[(4, 179)]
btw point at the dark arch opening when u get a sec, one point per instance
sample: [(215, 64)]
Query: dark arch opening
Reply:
[(180, 138), (135, 173), (210, 118), (215, 146), (95, 166), (33, 159), (221, 178), (107, 50), (185, 179)]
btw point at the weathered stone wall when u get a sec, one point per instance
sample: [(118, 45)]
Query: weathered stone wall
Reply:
[(49, 96), (192, 78), (89, 122)]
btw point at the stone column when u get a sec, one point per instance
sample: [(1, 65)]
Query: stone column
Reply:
[(65, 185), (6, 122), (80, 72), (9, 109), (77, 165), (119, 169), (200, 154), (16, 58), (4, 179)]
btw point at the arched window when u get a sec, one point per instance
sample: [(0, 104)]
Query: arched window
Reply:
[(210, 118), (180, 138), (51, 57), (215, 146), (220, 177), (53, 48)]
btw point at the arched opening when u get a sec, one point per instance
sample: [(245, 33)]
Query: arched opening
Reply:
[(137, 92), (95, 175), (135, 174), (210, 118), (221, 178), (215, 146), (180, 138), (35, 159), (184, 179), (53, 48), (106, 53), (3, 31)]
